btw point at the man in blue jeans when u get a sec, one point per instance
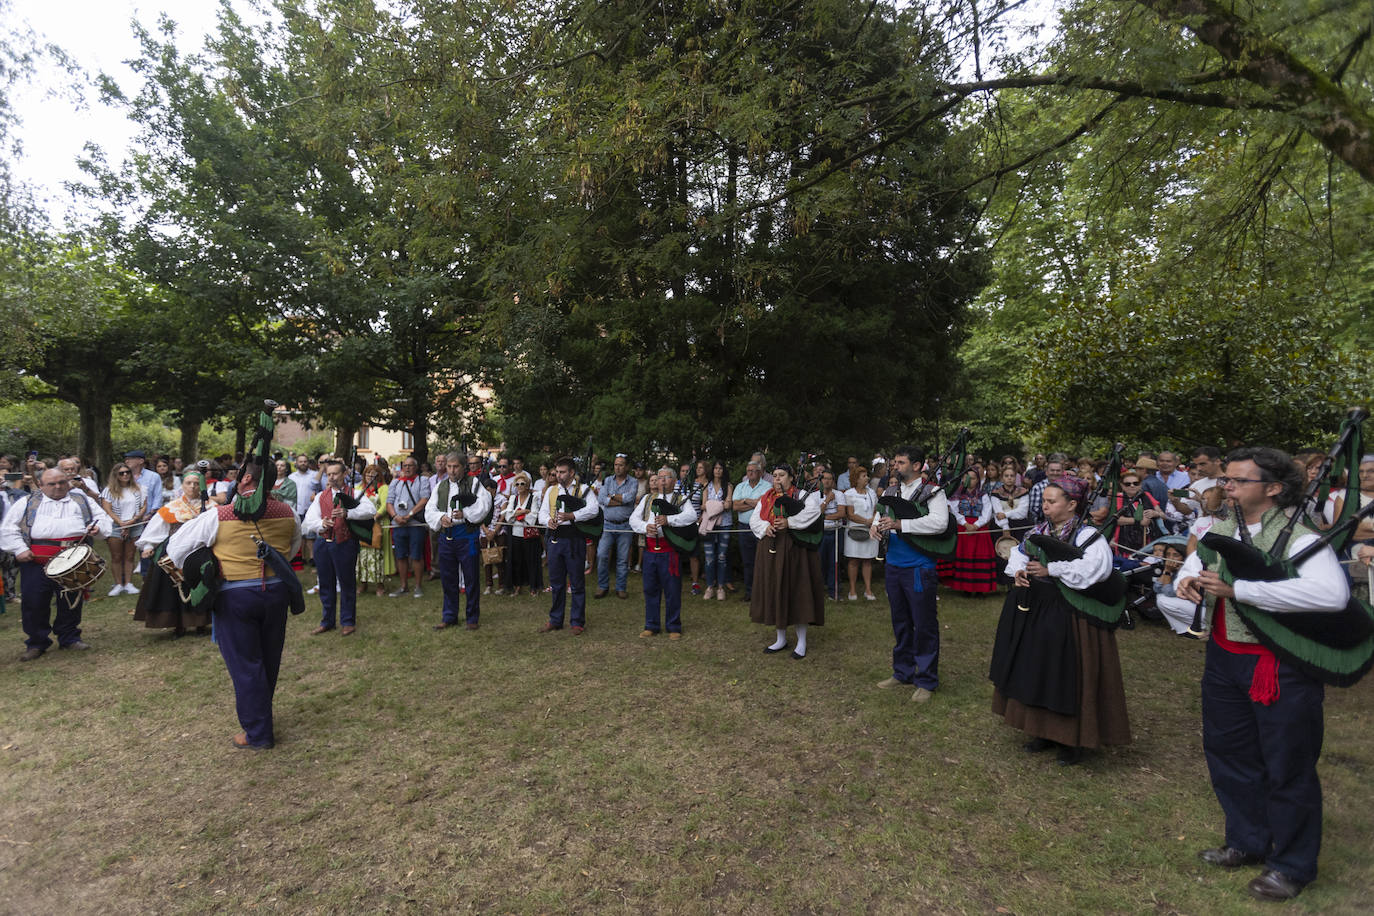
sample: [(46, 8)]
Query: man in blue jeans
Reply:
[(617, 498), (911, 580)]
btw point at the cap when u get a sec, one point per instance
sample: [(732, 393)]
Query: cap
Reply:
[(136, 453)]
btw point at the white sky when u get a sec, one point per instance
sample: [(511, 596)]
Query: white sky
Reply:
[(97, 34)]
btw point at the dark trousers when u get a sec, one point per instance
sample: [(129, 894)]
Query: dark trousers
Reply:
[(748, 546), (34, 609), (1263, 761), (337, 564), (250, 626), (662, 587), (911, 595), (568, 565), (830, 543), (458, 556)]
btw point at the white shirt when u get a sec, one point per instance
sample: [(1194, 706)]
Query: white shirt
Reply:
[(834, 509), (1020, 506), (54, 520), (809, 513), (685, 516), (1095, 566), (1320, 585), (307, 485), (314, 517), (549, 499), (933, 522), (203, 531), (473, 514)]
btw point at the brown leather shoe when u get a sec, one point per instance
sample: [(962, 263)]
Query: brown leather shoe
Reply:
[(31, 653), (78, 646), (1226, 857), (471, 626), (548, 627), (577, 631), (318, 630), (440, 626), (601, 593), (622, 594), (347, 631), (674, 635), (241, 742), (645, 634), (1274, 885)]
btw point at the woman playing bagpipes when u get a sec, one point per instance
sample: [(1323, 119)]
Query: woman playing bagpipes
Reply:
[(788, 588), (160, 605), (1054, 661)]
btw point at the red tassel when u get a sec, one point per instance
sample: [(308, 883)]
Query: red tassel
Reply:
[(1264, 686)]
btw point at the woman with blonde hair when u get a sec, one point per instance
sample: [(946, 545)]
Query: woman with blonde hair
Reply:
[(123, 500)]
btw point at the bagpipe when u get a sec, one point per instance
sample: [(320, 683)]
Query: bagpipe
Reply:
[(943, 477), (567, 502), (1335, 647), (785, 506), (683, 538), (1102, 602)]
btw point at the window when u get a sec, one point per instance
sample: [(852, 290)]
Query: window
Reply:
[(407, 442), (362, 437)]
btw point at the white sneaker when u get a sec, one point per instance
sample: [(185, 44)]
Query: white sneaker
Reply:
[(313, 590), (417, 593), (117, 589), (131, 589), (487, 590), (396, 594)]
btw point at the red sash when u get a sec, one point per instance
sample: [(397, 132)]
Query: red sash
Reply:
[(46, 549), (1264, 684)]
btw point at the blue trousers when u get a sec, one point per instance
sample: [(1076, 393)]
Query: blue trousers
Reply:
[(830, 544), (337, 565), (618, 538), (35, 604), (716, 547), (567, 565), (458, 558), (1263, 761), (911, 596), (748, 546), (250, 626), (662, 587)]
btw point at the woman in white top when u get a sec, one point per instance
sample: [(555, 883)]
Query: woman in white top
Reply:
[(123, 500), (861, 504), (522, 514)]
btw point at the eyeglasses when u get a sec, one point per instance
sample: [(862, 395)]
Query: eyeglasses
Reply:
[(1130, 483), (1227, 481), (502, 467), (522, 484)]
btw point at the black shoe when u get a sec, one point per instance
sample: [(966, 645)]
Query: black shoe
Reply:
[(31, 653), (795, 655), (1274, 885), (771, 651), (1036, 745), (1070, 756), (78, 645), (745, 599), (1226, 857)]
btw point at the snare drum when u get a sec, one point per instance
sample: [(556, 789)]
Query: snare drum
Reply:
[(1005, 545), (77, 567)]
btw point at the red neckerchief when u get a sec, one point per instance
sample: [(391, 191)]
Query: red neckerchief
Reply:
[(769, 498)]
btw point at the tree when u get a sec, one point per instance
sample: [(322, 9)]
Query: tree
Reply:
[(704, 276)]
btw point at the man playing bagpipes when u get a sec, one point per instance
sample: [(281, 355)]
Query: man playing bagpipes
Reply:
[(250, 539), (916, 539), (1282, 626), (35, 530), (568, 509), (459, 509), (338, 519), (667, 522)]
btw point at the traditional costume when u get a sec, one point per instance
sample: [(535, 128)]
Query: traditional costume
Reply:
[(567, 549), (521, 514), (336, 552), (664, 551), (788, 588), (1055, 667), (973, 568), (911, 582), (160, 602), (468, 506)]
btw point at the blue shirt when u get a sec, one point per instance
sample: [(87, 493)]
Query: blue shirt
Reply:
[(902, 555), (629, 494), (743, 490)]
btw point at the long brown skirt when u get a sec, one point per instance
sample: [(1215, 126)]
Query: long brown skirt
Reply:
[(788, 586), (1101, 718), (160, 606)]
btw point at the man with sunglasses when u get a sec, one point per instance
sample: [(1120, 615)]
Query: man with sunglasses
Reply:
[(1262, 720)]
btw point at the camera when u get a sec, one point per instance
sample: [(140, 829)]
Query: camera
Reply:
[(402, 505)]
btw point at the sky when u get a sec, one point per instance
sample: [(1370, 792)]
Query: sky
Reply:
[(98, 35)]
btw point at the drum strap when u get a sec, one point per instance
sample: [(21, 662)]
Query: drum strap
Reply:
[(31, 513)]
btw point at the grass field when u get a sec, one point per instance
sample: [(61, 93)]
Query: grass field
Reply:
[(507, 771)]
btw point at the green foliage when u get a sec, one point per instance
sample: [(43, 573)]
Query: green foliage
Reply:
[(51, 427)]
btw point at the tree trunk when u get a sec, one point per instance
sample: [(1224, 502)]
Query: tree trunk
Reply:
[(240, 436), (343, 442), (421, 435), (190, 440), (94, 407)]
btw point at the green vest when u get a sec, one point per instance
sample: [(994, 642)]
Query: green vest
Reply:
[(1270, 525)]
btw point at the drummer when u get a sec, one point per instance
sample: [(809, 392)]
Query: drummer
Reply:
[(36, 529)]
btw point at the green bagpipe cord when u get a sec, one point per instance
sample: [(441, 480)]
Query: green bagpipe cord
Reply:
[(683, 538), (1106, 612), (252, 506), (937, 546), (1337, 666)]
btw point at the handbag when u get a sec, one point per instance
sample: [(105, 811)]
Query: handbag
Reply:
[(378, 534), (492, 555), (856, 533)]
